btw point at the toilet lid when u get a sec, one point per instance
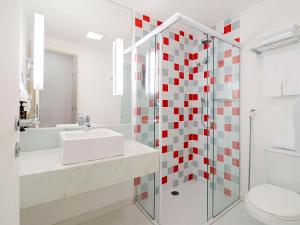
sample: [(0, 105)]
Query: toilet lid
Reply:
[(281, 203)]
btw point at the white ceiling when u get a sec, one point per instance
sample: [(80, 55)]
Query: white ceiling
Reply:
[(207, 12), (70, 20)]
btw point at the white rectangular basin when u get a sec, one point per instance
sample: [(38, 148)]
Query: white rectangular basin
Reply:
[(82, 146)]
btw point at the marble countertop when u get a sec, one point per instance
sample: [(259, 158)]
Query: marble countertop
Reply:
[(43, 178)]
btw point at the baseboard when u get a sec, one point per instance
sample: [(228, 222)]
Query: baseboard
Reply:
[(96, 213)]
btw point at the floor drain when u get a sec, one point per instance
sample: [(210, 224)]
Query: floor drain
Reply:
[(175, 193)]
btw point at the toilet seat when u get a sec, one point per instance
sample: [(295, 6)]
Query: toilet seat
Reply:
[(274, 205)]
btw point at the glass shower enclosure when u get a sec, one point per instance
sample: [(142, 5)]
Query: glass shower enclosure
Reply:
[(186, 91)]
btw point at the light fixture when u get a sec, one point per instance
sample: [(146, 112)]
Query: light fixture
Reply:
[(118, 66), (150, 73), (94, 36), (38, 52)]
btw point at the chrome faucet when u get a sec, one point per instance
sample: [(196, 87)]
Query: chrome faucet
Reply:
[(84, 121), (87, 122)]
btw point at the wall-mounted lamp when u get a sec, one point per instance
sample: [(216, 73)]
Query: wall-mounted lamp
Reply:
[(150, 72), (38, 52), (118, 66)]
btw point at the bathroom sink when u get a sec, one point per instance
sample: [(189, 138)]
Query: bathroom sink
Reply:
[(85, 145)]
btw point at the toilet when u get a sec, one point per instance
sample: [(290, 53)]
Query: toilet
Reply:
[(278, 202)]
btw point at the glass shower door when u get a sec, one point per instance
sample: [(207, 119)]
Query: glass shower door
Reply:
[(225, 183), (144, 117)]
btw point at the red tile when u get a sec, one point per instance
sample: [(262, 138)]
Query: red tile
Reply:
[(227, 127), (181, 33), (237, 39), (145, 119), (221, 63), (137, 129), (227, 151), (195, 110), (144, 195), (236, 59), (164, 180), (176, 66), (191, 77), (206, 88), (175, 168), (176, 81), (181, 117), (158, 22), (235, 111), (190, 157), (212, 170), (206, 175), (206, 132), (164, 149), (190, 177), (227, 192), (165, 103), (206, 46), (166, 41), (206, 74), (228, 78), (191, 37), (186, 62), (206, 161), (195, 150), (186, 144), (195, 69), (176, 110), (181, 75), (137, 181), (186, 103), (180, 160), (191, 117), (227, 53), (195, 56), (227, 29), (176, 37), (236, 162), (205, 118), (137, 111), (164, 134), (220, 158), (175, 125), (175, 154), (146, 18), (138, 23), (227, 176), (165, 87), (236, 145), (165, 56), (220, 111)]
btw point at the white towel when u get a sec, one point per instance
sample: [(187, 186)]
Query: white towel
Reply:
[(291, 72), (271, 75)]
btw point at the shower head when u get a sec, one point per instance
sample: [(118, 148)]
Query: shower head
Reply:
[(205, 41)]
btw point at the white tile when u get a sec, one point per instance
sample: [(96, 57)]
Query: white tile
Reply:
[(129, 215), (237, 216)]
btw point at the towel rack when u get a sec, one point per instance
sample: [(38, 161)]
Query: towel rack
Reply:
[(278, 39)]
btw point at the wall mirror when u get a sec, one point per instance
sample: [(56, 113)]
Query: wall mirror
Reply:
[(73, 73)]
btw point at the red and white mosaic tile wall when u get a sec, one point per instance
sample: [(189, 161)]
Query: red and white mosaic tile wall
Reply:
[(186, 146)]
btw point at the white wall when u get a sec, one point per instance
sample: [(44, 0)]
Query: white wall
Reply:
[(273, 121), (10, 40), (94, 96)]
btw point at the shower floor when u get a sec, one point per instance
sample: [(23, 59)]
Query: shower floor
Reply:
[(188, 208)]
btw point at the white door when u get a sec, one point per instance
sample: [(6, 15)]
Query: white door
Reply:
[(9, 91)]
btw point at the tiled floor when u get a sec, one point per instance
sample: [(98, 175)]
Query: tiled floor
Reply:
[(190, 203), (131, 215)]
